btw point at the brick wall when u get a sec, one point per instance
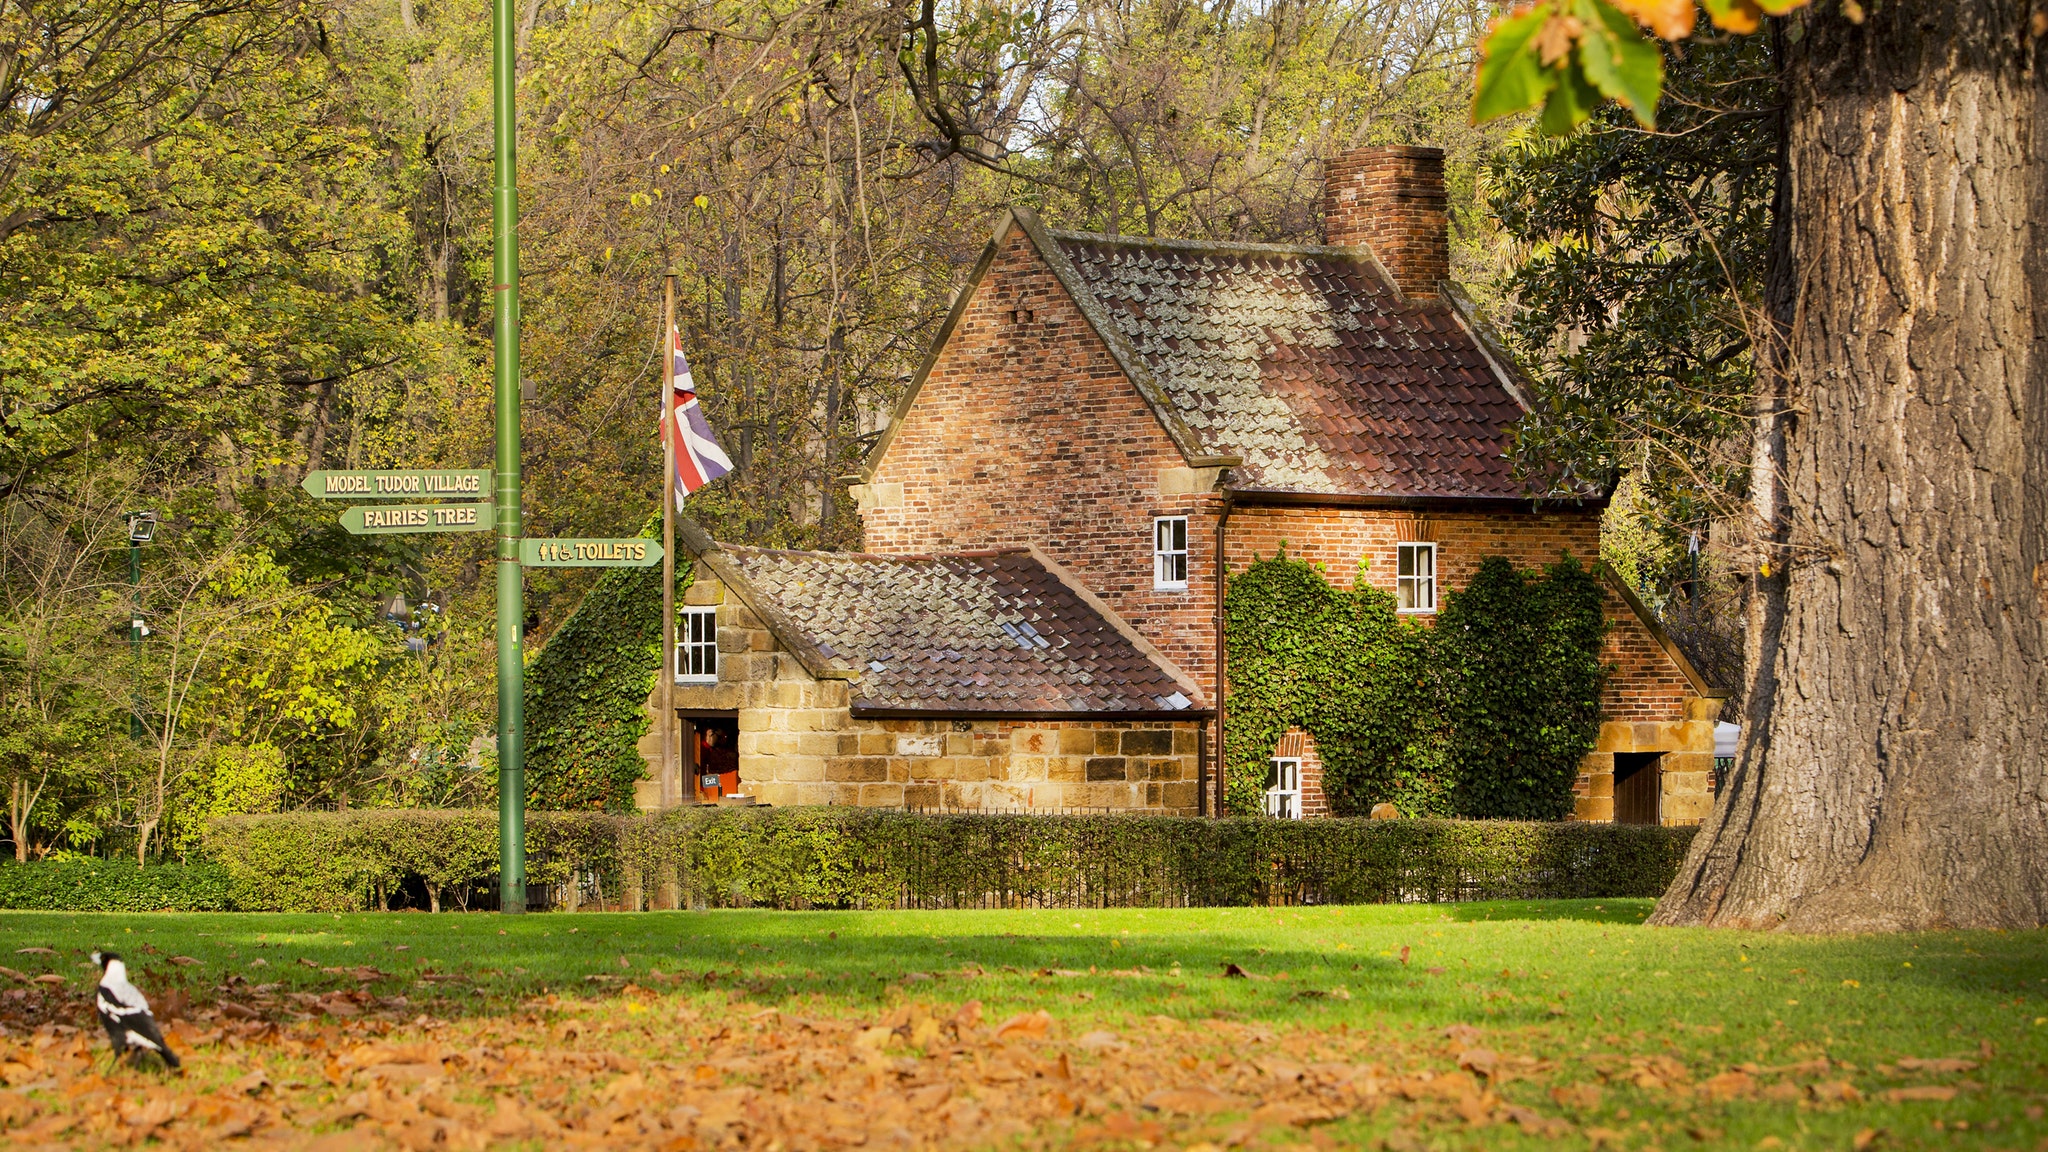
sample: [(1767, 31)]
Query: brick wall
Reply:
[(1338, 538), (1296, 743), (799, 743), (1026, 432), (1392, 200)]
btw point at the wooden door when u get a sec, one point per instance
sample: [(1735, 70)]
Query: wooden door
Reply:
[(1637, 785)]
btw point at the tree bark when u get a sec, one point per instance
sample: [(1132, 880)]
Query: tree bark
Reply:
[(1893, 775)]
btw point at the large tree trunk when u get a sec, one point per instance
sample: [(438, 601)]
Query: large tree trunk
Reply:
[(1894, 775)]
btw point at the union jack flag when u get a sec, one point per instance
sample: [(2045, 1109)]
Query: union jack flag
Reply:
[(699, 459)]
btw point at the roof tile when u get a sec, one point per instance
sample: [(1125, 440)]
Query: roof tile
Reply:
[(1303, 363), (975, 631)]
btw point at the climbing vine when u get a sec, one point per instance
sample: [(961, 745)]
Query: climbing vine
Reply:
[(1486, 714), (586, 694)]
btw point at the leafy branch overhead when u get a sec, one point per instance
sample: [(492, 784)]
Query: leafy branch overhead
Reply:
[(1568, 55)]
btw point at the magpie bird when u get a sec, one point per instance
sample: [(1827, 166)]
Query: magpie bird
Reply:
[(124, 1012)]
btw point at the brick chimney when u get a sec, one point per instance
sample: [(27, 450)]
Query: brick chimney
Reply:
[(1391, 198)]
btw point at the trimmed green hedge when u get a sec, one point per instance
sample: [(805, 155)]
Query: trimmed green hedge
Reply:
[(853, 858), (88, 885)]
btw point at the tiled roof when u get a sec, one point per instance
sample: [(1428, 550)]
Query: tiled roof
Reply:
[(1303, 362), (972, 632)]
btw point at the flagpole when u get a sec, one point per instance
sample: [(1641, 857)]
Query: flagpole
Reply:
[(671, 783)]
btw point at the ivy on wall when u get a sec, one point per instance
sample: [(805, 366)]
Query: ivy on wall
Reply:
[(1486, 714), (1520, 655), (586, 694)]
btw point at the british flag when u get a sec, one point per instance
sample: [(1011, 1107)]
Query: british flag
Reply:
[(699, 459)]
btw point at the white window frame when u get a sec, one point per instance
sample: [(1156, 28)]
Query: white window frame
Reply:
[(1166, 559), (1415, 590), (1283, 796), (696, 659)]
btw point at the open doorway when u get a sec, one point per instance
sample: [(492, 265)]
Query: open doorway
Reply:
[(711, 755), (1637, 787)]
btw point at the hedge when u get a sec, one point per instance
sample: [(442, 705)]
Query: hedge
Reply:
[(855, 858), (90, 885)]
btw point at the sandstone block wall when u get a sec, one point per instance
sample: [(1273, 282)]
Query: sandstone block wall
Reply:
[(1684, 766), (799, 743)]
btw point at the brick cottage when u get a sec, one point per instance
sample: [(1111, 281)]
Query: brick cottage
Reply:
[(1137, 418)]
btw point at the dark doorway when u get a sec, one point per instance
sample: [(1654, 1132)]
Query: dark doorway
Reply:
[(711, 756), (1636, 787)]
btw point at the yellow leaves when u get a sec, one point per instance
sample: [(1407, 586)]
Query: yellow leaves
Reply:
[(1668, 19), (1555, 40)]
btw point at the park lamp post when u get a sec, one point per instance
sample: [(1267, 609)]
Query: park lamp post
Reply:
[(141, 530)]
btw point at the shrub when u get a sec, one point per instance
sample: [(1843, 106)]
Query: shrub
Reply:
[(856, 858), (83, 884)]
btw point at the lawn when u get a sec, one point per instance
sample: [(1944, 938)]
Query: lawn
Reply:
[(1416, 1026)]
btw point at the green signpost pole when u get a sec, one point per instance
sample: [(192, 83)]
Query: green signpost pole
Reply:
[(511, 602)]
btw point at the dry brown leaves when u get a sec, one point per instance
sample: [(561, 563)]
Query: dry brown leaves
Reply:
[(647, 1070), (638, 1068)]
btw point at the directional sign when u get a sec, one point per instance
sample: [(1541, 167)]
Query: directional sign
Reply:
[(629, 553), (379, 519), (455, 483)]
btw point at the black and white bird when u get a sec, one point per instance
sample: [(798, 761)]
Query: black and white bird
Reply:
[(124, 1012)]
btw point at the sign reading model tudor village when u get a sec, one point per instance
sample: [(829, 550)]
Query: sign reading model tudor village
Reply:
[(468, 516)]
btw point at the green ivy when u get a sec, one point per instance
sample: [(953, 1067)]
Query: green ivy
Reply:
[(586, 695), (1520, 658), (1485, 715)]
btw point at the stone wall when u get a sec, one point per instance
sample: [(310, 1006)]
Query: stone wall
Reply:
[(1685, 765), (799, 743)]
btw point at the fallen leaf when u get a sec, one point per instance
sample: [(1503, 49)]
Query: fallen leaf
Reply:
[(1937, 1065), (1728, 1086), (1479, 1061), (251, 1084), (1921, 1092), (184, 961), (1865, 1138), (1233, 972), (1100, 1042), (1582, 1097), (1197, 1101), (239, 1011), (1835, 1092), (13, 975), (1025, 1024), (35, 951), (50, 978)]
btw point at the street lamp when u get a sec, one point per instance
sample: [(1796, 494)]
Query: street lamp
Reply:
[(141, 530)]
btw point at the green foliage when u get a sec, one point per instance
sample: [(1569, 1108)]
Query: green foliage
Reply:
[(854, 858), (1345, 668), (345, 861), (1522, 661), (1636, 293), (85, 884), (1485, 715), (586, 694), (1568, 55)]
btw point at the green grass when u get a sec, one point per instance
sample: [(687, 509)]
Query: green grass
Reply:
[(1578, 984)]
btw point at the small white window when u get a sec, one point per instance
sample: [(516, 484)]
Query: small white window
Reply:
[(1415, 577), (1283, 790), (697, 646), (1170, 553)]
